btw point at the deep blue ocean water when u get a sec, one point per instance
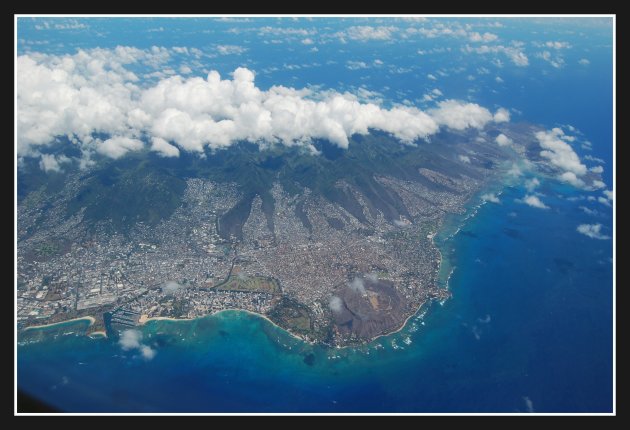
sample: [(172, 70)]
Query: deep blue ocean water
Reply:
[(529, 326)]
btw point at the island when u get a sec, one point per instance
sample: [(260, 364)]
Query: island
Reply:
[(335, 247)]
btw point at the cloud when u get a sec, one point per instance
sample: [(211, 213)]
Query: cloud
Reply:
[(357, 286), (485, 37), (584, 62), (595, 159), (132, 340), (557, 45), (335, 304), (556, 61), (532, 184), (459, 115), (372, 277), (307, 41), (596, 169), (170, 287), (147, 352), (58, 24), (163, 148), (230, 49), (514, 54), (515, 170), (356, 65), (534, 202), (602, 200), (365, 32), (185, 70), (491, 197), (116, 147), (571, 178), (91, 94), (610, 195), (502, 115), (589, 211), (503, 140), (597, 184), (529, 405), (592, 230), (438, 30), (464, 158), (560, 153), (284, 31), (51, 163), (432, 77)]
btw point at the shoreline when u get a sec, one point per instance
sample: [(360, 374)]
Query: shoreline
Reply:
[(89, 318), (228, 310), (99, 333), (404, 324)]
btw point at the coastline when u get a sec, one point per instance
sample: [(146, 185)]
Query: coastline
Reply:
[(399, 329), (89, 318), (98, 333), (144, 321)]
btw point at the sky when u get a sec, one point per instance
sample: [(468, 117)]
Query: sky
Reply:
[(110, 86)]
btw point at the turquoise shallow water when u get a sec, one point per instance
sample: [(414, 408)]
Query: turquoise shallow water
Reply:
[(529, 327)]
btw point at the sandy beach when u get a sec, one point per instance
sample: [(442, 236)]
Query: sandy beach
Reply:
[(145, 319), (91, 319), (98, 334)]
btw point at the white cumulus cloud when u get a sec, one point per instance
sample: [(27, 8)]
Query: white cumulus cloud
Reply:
[(559, 152), (366, 32), (571, 178), (147, 352), (597, 169), (553, 44), (532, 184), (491, 197), (593, 231), (515, 55), (335, 304), (118, 146), (91, 93), (163, 148), (132, 340), (51, 163), (171, 287), (503, 140), (230, 49), (459, 116), (609, 194), (534, 201), (485, 37), (357, 285), (502, 115)]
